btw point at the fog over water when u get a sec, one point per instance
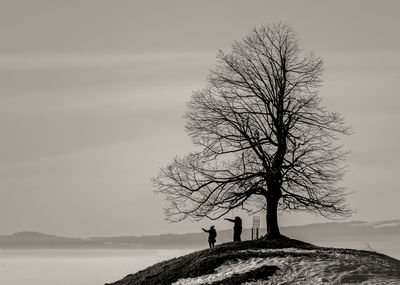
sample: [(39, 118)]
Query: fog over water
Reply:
[(75, 267)]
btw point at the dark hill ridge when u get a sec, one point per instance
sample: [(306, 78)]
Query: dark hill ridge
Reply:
[(35, 239), (354, 230), (270, 262)]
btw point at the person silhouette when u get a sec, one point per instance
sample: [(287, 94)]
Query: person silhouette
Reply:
[(212, 234), (237, 228)]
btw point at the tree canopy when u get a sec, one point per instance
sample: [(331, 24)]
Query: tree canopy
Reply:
[(263, 139)]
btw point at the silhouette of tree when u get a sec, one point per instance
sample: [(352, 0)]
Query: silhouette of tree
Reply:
[(263, 140)]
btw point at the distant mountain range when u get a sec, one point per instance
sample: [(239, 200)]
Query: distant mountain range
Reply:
[(362, 233)]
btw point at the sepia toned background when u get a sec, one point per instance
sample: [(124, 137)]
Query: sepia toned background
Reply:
[(92, 95)]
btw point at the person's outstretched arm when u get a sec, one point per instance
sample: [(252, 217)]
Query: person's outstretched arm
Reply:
[(229, 220), (205, 230)]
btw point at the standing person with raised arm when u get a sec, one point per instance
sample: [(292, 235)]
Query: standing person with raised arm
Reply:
[(237, 228), (212, 234)]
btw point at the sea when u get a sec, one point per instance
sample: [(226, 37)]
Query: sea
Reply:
[(76, 266)]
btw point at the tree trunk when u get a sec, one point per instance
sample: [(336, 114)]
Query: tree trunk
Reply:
[(272, 218)]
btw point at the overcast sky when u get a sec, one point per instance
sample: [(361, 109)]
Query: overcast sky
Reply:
[(92, 95)]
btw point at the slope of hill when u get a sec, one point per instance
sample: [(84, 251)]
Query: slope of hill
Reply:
[(383, 236), (271, 262)]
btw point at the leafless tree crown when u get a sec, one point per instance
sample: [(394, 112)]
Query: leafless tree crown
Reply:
[(260, 132)]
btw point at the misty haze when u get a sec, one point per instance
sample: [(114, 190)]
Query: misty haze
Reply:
[(244, 139)]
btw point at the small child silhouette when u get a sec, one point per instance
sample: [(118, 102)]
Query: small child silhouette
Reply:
[(212, 234)]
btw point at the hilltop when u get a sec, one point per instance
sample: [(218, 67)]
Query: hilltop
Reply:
[(284, 261)]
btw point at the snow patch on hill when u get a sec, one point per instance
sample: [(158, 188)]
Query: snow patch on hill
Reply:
[(323, 267), (225, 271)]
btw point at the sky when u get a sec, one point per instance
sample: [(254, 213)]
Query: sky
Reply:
[(93, 92)]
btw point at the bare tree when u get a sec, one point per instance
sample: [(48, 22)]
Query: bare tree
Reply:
[(263, 140)]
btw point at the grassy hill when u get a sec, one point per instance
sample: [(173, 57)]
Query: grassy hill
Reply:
[(271, 262)]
